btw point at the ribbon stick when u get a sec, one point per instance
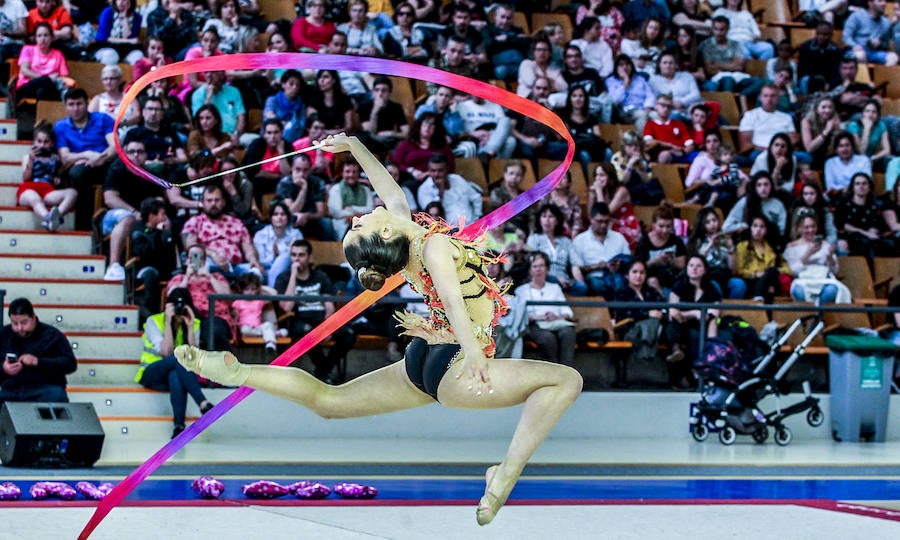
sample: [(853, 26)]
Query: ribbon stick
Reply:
[(353, 308)]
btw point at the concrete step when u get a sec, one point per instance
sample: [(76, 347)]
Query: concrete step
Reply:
[(53, 266), (13, 150), (11, 171), (105, 345), (8, 128), (4, 108), (8, 192), (60, 243), (21, 217), (123, 433), (131, 400), (105, 372), (65, 291), (111, 318)]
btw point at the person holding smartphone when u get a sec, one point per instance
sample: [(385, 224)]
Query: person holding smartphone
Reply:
[(36, 358)]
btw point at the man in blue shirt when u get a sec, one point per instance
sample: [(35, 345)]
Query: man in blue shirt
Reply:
[(228, 100), (868, 33), (86, 147), (287, 105)]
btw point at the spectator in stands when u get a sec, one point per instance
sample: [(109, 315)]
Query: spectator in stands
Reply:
[(383, 119), (287, 105), (788, 101), (461, 28), (349, 197), (304, 280), (305, 196), (861, 229), (312, 32), (174, 113), (227, 24), (759, 200), (322, 162), (253, 84), (758, 264), (700, 173), (850, 95), (506, 44), (687, 54), (36, 358), (569, 204), (273, 242), (813, 263), (328, 100), (818, 128), (442, 105), (41, 186), (165, 153), (743, 29), (819, 57), (508, 188), (160, 371), (60, 20), (724, 61), (43, 72), (549, 239), (229, 102), (605, 187), (453, 59), (596, 52), (782, 166), (680, 85), (641, 326), (85, 142), (173, 23), (597, 255), (118, 34), (690, 14), (644, 51), (685, 325), (610, 17), (631, 97), (256, 318), (155, 248), (208, 134), (279, 42), (224, 237), (209, 46), (265, 176), (201, 281), (239, 190), (13, 27), (426, 138), (715, 246), (461, 198), (575, 74), (109, 100), (535, 139), (665, 139), (846, 162), (362, 35), (663, 252), (812, 200), (759, 125), (584, 128), (488, 124), (154, 58), (890, 209), (784, 59), (552, 327), (354, 83), (401, 42), (539, 67), (871, 134), (868, 33), (638, 11), (632, 167)]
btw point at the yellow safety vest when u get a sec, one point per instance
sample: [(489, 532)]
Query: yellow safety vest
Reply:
[(149, 355)]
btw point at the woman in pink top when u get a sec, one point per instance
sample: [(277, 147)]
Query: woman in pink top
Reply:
[(313, 32), (43, 73)]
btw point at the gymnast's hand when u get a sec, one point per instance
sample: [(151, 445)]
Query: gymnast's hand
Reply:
[(335, 143), (476, 368)]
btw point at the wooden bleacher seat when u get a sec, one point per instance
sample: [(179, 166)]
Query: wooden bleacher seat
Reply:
[(890, 107), (801, 35), (539, 20), (327, 252), (855, 274), (273, 10), (755, 67), (87, 75), (520, 19), (472, 169), (644, 214), (670, 176), (729, 109), (886, 273), (889, 78), (593, 317), (51, 111), (403, 94)]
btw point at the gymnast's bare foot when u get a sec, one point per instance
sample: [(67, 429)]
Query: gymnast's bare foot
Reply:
[(219, 366), (490, 503)]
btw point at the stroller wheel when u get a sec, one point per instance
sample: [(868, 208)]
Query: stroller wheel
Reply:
[(699, 432), (783, 436), (727, 436), (815, 417), (760, 435)]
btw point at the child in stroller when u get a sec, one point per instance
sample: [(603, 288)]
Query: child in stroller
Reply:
[(737, 371)]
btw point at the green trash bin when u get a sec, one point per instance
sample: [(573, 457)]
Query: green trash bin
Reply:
[(860, 374)]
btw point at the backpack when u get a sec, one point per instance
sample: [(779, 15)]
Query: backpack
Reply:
[(721, 361), (738, 331)]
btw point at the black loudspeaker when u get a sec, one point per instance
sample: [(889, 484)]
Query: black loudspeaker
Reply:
[(50, 434)]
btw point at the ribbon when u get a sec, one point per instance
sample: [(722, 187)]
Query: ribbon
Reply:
[(353, 308)]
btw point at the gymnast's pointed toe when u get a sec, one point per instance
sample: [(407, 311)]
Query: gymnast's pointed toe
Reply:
[(213, 365), (189, 357), (488, 507)]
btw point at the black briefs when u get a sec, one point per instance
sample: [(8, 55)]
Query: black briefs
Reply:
[(426, 364)]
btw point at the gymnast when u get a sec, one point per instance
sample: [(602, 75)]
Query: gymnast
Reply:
[(450, 358)]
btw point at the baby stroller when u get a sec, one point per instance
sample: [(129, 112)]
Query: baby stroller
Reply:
[(734, 380)]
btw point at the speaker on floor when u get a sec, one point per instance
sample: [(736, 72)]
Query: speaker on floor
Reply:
[(50, 434)]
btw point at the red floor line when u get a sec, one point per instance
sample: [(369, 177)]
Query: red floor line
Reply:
[(855, 508)]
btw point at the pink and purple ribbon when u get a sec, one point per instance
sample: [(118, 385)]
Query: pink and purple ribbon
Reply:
[(353, 308)]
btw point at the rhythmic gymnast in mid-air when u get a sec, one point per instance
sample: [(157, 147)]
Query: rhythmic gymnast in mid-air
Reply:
[(451, 356)]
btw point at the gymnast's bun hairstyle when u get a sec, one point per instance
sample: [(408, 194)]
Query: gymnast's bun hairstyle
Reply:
[(375, 259)]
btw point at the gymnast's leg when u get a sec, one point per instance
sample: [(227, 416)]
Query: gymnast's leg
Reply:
[(384, 390), (546, 389)]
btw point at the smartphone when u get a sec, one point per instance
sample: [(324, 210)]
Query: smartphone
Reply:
[(195, 260), (11, 358)]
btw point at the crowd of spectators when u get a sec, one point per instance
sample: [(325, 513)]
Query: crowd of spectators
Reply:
[(810, 136)]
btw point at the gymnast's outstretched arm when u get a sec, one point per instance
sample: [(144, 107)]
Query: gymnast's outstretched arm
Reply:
[(382, 181)]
